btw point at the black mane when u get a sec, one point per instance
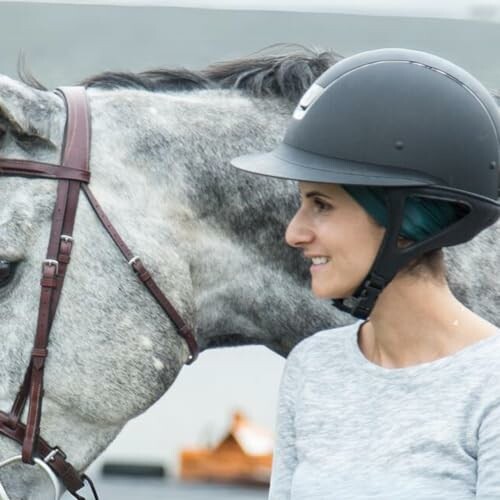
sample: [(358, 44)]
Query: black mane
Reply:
[(287, 74)]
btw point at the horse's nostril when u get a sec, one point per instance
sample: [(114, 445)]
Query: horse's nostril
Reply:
[(7, 272)]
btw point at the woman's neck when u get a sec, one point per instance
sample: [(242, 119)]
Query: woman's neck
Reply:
[(417, 320)]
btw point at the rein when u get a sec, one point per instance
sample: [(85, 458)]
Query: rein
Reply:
[(72, 174)]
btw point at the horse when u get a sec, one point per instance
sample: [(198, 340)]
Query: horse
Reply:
[(212, 237)]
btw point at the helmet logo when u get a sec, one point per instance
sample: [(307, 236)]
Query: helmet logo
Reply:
[(308, 98)]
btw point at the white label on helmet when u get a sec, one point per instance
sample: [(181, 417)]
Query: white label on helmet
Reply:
[(308, 98)]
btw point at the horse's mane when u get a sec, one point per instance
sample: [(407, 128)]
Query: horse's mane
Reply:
[(283, 71)]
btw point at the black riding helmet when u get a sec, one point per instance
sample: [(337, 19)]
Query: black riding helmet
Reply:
[(405, 120)]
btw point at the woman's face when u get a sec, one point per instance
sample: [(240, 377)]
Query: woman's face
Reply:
[(339, 237)]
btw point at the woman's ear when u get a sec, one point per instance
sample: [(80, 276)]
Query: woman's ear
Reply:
[(403, 242), (27, 111)]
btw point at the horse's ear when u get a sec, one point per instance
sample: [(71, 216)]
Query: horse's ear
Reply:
[(28, 111)]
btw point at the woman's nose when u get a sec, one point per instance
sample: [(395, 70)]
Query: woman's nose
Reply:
[(298, 233)]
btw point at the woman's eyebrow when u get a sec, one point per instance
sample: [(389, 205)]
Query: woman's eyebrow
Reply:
[(309, 194)]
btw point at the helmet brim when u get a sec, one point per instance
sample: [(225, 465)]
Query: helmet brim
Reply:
[(287, 162)]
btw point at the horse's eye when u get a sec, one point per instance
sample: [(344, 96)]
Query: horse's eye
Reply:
[(7, 271)]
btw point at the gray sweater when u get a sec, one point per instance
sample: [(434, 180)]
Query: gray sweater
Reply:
[(348, 429)]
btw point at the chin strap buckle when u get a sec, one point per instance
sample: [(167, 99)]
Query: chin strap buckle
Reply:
[(361, 303)]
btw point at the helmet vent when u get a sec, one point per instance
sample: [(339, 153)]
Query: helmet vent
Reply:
[(308, 98)]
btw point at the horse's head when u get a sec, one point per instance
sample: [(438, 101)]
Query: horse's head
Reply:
[(93, 331)]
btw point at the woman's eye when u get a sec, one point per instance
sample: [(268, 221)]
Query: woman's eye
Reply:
[(320, 205), (7, 271)]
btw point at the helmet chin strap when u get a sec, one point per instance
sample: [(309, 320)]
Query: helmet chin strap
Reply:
[(361, 303), (391, 259), (385, 266)]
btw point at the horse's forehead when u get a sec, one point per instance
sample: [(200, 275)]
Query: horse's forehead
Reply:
[(25, 203), (20, 195)]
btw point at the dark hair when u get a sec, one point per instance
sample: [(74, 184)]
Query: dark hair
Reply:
[(430, 264)]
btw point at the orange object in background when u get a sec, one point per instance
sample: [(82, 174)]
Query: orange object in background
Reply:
[(244, 456)]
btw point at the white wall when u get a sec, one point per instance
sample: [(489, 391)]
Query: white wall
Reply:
[(488, 10)]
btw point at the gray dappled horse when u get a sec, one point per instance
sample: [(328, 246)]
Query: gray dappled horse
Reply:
[(212, 236)]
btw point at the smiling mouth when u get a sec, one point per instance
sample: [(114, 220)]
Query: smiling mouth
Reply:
[(320, 261)]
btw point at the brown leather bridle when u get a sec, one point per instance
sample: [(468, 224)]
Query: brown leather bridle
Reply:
[(72, 174)]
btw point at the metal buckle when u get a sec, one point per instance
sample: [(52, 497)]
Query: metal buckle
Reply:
[(67, 238), (53, 453), (50, 262), (132, 260)]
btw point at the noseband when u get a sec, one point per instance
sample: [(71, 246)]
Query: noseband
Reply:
[(72, 174)]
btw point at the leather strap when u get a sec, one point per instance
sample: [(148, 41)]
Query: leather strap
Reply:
[(75, 156), (144, 276), (64, 470), (27, 168), (20, 401)]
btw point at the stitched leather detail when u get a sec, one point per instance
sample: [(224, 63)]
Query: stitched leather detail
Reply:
[(39, 352), (144, 276), (64, 259), (48, 282)]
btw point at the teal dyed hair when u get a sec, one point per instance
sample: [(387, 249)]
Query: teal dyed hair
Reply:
[(423, 217)]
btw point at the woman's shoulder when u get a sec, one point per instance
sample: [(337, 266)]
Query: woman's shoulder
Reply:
[(487, 353), (328, 340)]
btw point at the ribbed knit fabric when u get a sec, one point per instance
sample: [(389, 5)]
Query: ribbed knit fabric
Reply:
[(348, 429)]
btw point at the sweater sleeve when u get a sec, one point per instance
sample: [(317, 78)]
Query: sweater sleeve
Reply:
[(285, 456), (488, 456)]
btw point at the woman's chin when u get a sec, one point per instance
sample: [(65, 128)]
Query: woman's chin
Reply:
[(329, 292), (324, 293)]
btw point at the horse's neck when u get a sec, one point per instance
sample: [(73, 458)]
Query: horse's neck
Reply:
[(227, 226)]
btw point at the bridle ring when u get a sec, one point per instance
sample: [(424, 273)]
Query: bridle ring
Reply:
[(40, 463)]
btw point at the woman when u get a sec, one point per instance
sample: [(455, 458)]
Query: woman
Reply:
[(397, 155)]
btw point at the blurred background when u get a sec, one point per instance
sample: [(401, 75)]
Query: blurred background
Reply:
[(65, 42)]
